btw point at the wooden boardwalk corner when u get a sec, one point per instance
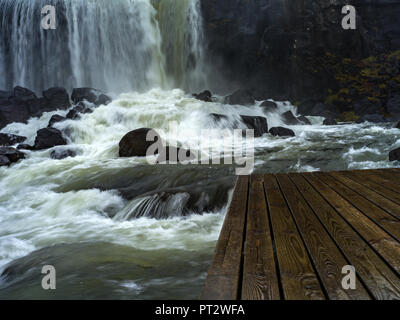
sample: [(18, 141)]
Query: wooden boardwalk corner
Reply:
[(288, 236)]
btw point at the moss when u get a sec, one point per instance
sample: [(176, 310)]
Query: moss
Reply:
[(348, 117)]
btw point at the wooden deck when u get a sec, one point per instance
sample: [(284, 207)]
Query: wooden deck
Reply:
[(288, 236)]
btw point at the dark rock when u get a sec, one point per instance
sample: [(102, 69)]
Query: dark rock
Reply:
[(4, 95), (10, 139), (48, 138), (57, 98), (90, 95), (289, 118), (175, 155), (374, 118), (24, 146), (365, 106), (304, 120), (23, 104), (12, 154), (54, 119), (135, 144), (398, 125), (241, 96), (258, 124), (394, 155), (76, 112), (330, 122), (24, 94), (204, 96), (4, 161), (218, 117), (393, 104), (62, 154), (281, 132), (269, 106)]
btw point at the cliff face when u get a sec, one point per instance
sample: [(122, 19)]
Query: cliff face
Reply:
[(298, 49)]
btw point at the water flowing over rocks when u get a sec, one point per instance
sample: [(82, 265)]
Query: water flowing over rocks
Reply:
[(135, 144), (90, 95), (55, 119), (269, 106), (62, 154)]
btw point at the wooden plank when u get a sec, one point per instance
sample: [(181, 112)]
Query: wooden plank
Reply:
[(384, 203), (372, 270), (260, 280), (298, 278), (382, 242), (223, 278), (326, 256), (379, 179), (387, 193), (383, 219)]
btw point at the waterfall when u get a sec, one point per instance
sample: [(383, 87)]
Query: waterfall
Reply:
[(117, 46)]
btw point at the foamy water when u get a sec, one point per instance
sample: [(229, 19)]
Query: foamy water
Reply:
[(86, 202)]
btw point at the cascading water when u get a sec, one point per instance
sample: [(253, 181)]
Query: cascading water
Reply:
[(110, 45)]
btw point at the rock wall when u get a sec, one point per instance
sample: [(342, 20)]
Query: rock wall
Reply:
[(293, 50)]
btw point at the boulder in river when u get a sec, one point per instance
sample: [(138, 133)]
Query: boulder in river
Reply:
[(304, 120), (205, 96), (62, 154), (4, 161), (394, 155), (258, 124), (281, 132), (24, 146), (55, 119), (329, 122), (12, 154), (10, 139), (135, 144), (269, 106), (241, 96), (218, 117), (90, 95), (398, 125), (289, 118), (48, 138), (76, 112)]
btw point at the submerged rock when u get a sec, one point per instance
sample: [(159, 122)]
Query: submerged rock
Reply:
[(281, 132), (289, 118), (241, 96), (269, 106), (76, 112), (394, 155), (90, 95), (218, 117), (62, 154), (4, 161), (47, 138), (304, 120), (10, 139), (56, 118), (329, 122), (135, 144), (12, 154), (258, 124), (204, 96)]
